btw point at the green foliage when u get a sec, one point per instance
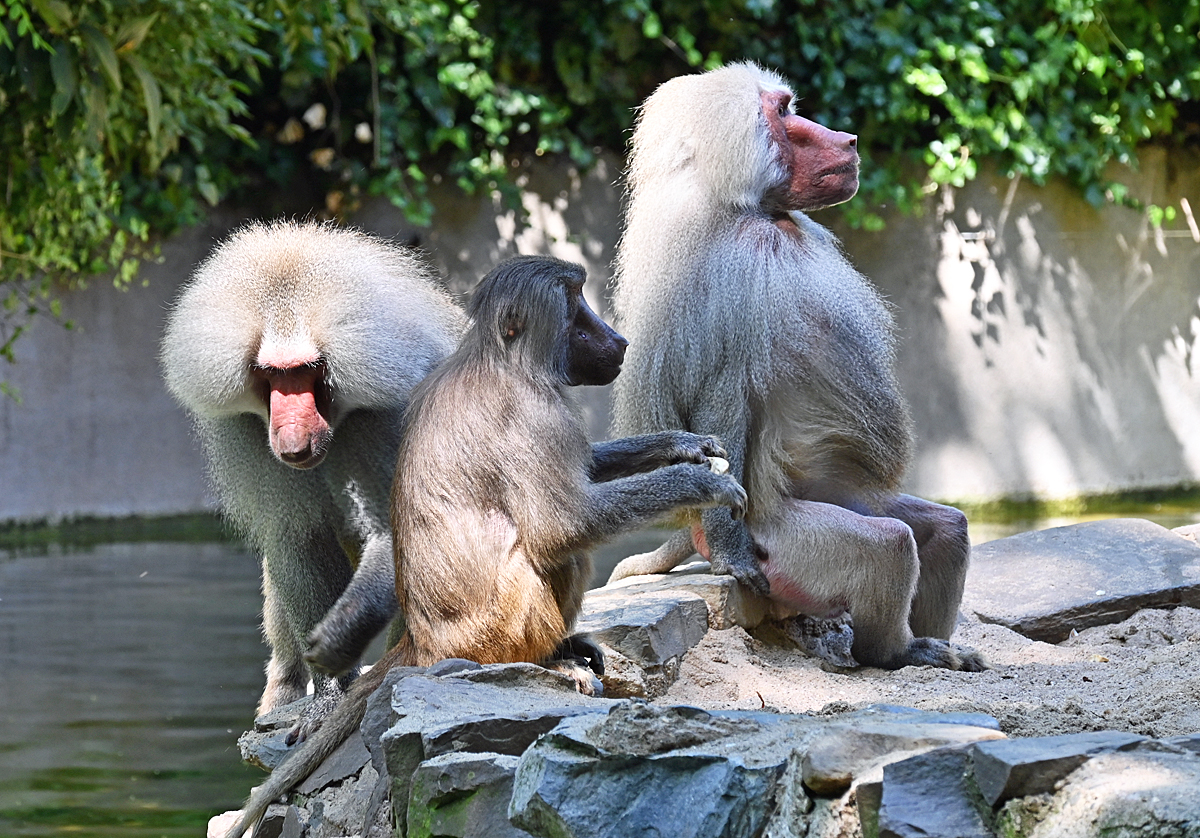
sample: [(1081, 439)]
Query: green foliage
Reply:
[(93, 96), (126, 118)]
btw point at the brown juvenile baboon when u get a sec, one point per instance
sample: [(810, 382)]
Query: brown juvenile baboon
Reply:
[(499, 496), (748, 323), (295, 347)]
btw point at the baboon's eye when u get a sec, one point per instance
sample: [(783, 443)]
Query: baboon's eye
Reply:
[(513, 328)]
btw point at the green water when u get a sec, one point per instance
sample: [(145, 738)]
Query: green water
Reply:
[(1169, 508), (129, 669), (128, 672)]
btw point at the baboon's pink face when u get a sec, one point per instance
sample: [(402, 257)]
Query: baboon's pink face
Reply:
[(821, 164), (298, 405)]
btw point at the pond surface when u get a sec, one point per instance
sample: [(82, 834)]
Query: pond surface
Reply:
[(127, 672)]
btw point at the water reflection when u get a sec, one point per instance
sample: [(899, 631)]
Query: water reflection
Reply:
[(129, 671)]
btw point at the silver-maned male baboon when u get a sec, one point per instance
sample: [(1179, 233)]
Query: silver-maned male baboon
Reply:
[(747, 322), (499, 496), (295, 347)]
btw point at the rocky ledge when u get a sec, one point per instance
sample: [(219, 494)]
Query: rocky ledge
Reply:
[(464, 750)]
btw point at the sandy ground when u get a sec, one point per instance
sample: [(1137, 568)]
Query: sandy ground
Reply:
[(1141, 675)]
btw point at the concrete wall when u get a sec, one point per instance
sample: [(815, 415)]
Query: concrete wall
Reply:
[(1047, 348)]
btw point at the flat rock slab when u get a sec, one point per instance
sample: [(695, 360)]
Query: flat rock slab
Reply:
[(1019, 767), (1044, 584), (843, 753), (729, 604), (346, 761), (650, 628), (642, 770)]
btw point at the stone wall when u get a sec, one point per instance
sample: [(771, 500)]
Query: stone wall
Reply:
[(1047, 347)]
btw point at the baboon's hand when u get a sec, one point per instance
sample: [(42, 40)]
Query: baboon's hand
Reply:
[(730, 493), (746, 570), (581, 649), (327, 652), (734, 553), (695, 448)]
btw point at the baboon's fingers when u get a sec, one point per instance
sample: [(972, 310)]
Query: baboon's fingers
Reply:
[(746, 571), (325, 655), (581, 649), (734, 496), (712, 447), (585, 682), (313, 715), (696, 448), (970, 660), (589, 651)]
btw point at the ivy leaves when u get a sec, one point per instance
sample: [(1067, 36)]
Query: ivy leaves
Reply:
[(97, 97)]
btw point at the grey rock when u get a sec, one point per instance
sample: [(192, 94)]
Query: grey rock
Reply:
[(293, 824), (452, 666), (497, 709), (898, 713), (1190, 742), (522, 676), (868, 798), (281, 821), (346, 761), (641, 770), (264, 750), (1139, 794), (462, 795), (793, 807), (929, 796), (650, 628), (649, 632), (1019, 767), (339, 809), (1103, 571), (831, 640), (513, 750), (281, 718), (842, 753), (624, 678), (377, 821), (274, 819), (379, 715), (729, 604), (1191, 532), (263, 745)]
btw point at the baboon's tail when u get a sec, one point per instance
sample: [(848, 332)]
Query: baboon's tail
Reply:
[(336, 729)]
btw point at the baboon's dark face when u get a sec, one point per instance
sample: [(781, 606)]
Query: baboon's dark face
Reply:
[(595, 349)]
